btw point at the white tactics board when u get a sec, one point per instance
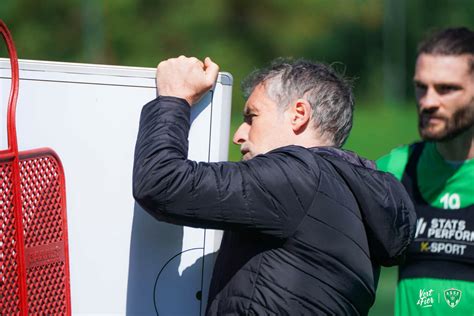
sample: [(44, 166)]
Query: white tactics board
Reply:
[(122, 260)]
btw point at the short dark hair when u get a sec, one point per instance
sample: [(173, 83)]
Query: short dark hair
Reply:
[(329, 94), (450, 41)]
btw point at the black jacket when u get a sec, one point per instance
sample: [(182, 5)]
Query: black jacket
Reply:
[(306, 228)]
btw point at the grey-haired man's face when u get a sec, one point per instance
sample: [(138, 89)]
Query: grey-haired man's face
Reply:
[(444, 88), (265, 126)]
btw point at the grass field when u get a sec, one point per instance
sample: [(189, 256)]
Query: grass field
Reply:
[(375, 132)]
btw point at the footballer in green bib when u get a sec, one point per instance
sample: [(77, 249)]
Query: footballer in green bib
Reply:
[(437, 277), (447, 187)]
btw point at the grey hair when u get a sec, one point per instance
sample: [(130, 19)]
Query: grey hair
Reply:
[(329, 94)]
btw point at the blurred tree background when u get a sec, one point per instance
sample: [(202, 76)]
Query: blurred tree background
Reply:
[(372, 41)]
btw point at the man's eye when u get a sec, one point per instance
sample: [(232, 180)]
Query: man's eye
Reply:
[(248, 118), (420, 90), (444, 89), (420, 87)]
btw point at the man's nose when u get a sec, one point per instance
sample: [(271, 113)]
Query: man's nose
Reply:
[(430, 100), (241, 134)]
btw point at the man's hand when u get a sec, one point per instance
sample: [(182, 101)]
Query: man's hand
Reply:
[(186, 78)]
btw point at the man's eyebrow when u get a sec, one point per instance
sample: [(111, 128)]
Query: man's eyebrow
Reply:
[(444, 83), (418, 82)]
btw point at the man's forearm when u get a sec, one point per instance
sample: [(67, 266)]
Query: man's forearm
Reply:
[(162, 139)]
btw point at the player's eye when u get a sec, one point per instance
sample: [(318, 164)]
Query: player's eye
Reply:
[(420, 87), (446, 88)]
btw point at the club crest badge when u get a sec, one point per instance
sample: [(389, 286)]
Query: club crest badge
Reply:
[(452, 297)]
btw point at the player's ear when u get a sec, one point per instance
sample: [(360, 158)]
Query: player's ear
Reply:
[(300, 115)]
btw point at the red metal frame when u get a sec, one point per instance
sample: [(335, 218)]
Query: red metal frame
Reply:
[(34, 255)]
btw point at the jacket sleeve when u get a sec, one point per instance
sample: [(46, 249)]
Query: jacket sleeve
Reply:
[(256, 195)]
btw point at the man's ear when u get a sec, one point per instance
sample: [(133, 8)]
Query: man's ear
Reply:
[(300, 115)]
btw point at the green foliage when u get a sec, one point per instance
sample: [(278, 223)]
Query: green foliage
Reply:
[(377, 129), (239, 34)]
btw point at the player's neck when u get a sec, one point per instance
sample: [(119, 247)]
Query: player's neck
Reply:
[(459, 148)]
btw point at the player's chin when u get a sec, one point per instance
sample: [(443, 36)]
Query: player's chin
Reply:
[(431, 131), (433, 134)]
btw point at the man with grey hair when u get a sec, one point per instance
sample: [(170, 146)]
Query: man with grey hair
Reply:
[(330, 96), (307, 224)]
